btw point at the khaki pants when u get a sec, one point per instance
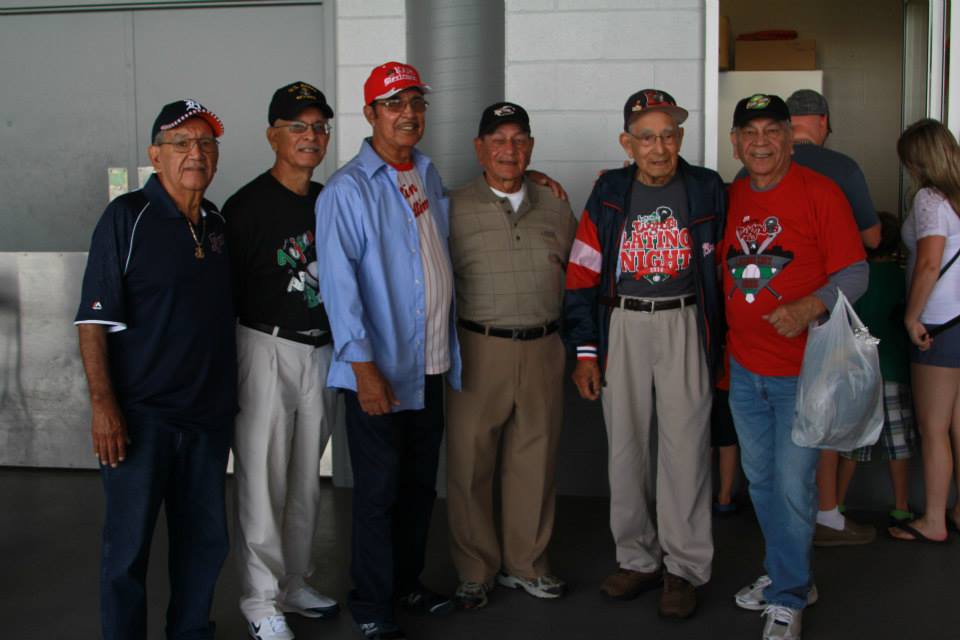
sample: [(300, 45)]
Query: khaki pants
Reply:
[(286, 417), (512, 392), (661, 351)]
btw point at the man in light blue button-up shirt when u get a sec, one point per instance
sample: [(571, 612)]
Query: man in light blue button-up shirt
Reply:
[(386, 282)]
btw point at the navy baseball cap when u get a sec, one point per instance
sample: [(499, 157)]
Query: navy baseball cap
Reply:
[(647, 100), (760, 105), (501, 113), (176, 113), (289, 101)]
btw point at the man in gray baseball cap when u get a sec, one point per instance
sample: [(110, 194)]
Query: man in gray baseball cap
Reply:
[(810, 117)]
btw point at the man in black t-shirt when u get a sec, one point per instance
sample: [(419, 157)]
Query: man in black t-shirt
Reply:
[(283, 349)]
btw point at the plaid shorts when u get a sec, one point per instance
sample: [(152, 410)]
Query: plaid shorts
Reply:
[(898, 439)]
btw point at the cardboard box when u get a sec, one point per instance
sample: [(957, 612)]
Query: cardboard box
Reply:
[(724, 43), (775, 55)]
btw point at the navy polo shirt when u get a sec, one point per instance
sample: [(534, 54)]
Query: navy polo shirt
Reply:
[(169, 315)]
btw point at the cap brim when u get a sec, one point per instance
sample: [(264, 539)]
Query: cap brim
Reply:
[(425, 88), (679, 114), (212, 120)]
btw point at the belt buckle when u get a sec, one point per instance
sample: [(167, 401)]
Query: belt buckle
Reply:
[(653, 305), (515, 333)]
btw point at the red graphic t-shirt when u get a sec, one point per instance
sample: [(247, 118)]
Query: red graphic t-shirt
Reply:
[(779, 246)]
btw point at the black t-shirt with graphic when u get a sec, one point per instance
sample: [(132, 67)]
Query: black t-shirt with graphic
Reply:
[(270, 231), (654, 260)]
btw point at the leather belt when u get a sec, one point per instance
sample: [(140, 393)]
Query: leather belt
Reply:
[(526, 333), (648, 305), (314, 341)]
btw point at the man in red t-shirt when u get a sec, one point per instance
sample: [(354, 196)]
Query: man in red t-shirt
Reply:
[(790, 244)]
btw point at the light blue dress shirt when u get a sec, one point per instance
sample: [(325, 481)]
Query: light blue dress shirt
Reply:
[(371, 274)]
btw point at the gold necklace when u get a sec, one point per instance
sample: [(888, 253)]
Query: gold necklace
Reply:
[(198, 242)]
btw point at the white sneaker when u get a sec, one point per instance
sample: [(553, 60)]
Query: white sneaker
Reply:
[(270, 628), (547, 586), (783, 623), (310, 603), (751, 596)]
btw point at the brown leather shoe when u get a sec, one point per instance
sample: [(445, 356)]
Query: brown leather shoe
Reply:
[(853, 533), (626, 584), (678, 598)]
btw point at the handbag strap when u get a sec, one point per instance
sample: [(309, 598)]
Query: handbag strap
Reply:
[(949, 264)]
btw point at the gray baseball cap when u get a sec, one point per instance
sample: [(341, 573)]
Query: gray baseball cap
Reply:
[(807, 102)]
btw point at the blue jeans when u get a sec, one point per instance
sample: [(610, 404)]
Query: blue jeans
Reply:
[(184, 470), (782, 479)]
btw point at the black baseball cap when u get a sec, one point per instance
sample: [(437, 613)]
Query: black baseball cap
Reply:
[(647, 100), (807, 102), (289, 101), (760, 105), (501, 113), (176, 113)]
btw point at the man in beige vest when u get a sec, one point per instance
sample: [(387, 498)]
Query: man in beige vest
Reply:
[(509, 243)]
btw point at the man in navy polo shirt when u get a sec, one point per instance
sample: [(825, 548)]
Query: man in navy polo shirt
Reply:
[(156, 327)]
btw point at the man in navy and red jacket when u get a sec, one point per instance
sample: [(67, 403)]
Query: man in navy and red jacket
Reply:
[(643, 308)]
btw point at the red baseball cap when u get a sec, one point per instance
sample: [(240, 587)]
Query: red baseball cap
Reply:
[(389, 79)]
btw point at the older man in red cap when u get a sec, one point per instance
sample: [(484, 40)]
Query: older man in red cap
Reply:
[(387, 283)]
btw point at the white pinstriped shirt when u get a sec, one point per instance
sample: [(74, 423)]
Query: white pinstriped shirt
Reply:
[(438, 277)]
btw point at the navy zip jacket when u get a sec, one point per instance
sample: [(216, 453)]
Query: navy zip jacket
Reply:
[(592, 269)]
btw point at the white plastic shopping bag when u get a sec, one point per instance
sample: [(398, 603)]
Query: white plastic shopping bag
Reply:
[(840, 392)]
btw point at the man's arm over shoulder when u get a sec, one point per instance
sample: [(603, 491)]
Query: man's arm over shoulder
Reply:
[(341, 242)]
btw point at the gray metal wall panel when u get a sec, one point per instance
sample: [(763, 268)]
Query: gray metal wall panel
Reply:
[(80, 95), (63, 121), (44, 410)]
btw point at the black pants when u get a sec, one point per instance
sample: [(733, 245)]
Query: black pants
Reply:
[(184, 470), (394, 460)]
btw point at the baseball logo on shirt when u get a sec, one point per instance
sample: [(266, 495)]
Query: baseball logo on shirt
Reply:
[(758, 261), (657, 247), (296, 256)]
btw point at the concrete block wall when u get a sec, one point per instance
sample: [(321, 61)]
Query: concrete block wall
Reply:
[(369, 32), (572, 64)]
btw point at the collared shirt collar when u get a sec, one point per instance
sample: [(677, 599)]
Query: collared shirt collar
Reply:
[(159, 197), (371, 162)]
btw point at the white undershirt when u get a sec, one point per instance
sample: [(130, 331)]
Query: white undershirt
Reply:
[(515, 198)]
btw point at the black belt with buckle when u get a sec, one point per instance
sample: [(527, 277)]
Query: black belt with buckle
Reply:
[(314, 341), (638, 304), (526, 333)]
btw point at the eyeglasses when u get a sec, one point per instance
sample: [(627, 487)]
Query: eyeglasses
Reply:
[(297, 128), (397, 105), (648, 138), (183, 145)]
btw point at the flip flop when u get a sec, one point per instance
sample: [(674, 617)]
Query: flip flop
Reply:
[(917, 536)]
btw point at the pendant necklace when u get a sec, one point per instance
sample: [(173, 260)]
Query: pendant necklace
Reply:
[(198, 242)]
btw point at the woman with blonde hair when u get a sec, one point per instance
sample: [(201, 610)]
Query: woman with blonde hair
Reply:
[(931, 233)]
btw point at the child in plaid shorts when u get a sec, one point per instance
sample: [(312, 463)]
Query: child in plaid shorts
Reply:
[(881, 309)]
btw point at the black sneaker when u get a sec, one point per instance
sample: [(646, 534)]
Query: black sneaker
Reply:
[(423, 602), (381, 631)]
